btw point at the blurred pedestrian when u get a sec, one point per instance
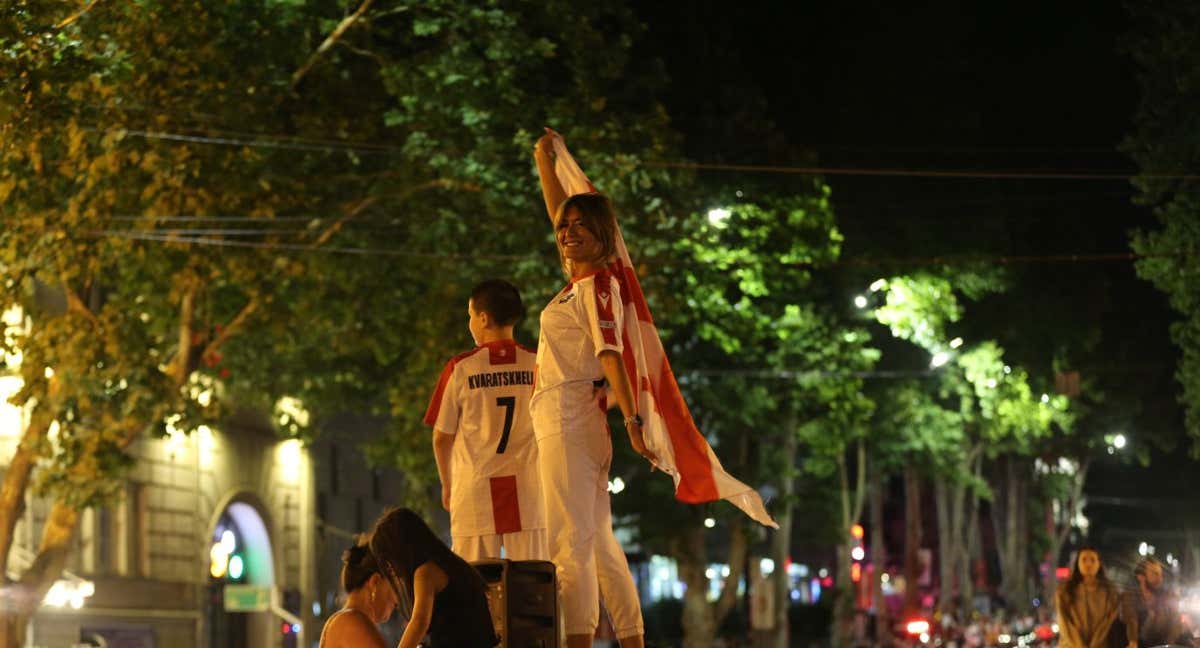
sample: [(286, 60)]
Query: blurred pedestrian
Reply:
[(1157, 609), (1089, 604)]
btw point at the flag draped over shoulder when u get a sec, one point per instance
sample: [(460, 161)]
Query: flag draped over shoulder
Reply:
[(668, 427)]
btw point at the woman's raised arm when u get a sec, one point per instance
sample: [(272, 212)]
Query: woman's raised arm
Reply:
[(552, 189)]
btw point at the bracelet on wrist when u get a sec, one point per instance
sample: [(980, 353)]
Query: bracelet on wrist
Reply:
[(635, 419)]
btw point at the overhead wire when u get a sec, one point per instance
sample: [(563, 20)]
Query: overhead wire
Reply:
[(202, 236), (297, 143), (281, 246)]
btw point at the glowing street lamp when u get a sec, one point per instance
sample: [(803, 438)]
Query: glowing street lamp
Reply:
[(718, 217)]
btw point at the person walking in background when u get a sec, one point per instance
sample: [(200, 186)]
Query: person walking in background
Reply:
[(1157, 609), (369, 602), (1088, 605), (483, 435)]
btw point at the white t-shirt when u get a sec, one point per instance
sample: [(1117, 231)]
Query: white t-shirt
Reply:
[(482, 398), (582, 320)]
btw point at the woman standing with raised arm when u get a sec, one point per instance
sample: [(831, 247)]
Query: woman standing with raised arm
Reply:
[(580, 347)]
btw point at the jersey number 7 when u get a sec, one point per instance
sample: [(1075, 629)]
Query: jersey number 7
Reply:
[(509, 403)]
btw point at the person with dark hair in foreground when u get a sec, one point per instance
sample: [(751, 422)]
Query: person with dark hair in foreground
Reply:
[(444, 596), (1088, 605), (369, 602)]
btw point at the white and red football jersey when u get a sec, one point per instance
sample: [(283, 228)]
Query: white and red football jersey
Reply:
[(580, 322), (482, 398)]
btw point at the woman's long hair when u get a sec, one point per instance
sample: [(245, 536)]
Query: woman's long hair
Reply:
[(1076, 578), (401, 542)]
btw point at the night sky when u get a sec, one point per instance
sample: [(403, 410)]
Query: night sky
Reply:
[(1037, 87)]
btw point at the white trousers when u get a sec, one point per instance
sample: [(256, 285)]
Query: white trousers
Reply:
[(574, 455), (530, 544)]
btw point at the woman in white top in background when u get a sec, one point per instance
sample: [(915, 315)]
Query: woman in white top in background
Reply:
[(579, 346)]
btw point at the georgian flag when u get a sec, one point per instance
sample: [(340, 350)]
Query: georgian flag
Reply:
[(669, 430)]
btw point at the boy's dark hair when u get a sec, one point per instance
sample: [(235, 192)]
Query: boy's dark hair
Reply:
[(500, 299)]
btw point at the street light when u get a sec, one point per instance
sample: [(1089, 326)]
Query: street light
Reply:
[(718, 217), (1119, 441), (860, 301), (940, 358)]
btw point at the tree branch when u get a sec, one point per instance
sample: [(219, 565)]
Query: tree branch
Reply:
[(232, 327), (336, 226), (860, 487), (77, 15), (329, 42), (361, 206), (187, 309), (75, 304)]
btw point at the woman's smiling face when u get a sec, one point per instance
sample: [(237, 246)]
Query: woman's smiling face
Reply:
[(576, 242)]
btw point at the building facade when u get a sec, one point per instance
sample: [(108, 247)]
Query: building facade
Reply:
[(144, 570)]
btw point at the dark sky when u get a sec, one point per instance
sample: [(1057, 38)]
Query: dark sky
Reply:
[(1017, 86)]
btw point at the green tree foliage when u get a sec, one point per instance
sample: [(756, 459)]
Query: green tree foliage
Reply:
[(1165, 144), (765, 366), (228, 203)]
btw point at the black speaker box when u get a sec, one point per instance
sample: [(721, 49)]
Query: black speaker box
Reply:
[(523, 598)]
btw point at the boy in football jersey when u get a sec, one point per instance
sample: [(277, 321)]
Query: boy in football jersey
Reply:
[(483, 435)]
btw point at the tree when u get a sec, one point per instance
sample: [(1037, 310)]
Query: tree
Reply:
[(242, 202), (979, 410), (1165, 144), (766, 370)]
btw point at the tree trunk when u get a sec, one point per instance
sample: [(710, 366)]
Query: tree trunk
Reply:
[(25, 595), (739, 550), (948, 533), (912, 539), (842, 633), (12, 493), (1012, 533), (852, 502), (781, 541), (878, 559), (12, 629), (692, 558), (971, 551), (1059, 527), (701, 619)]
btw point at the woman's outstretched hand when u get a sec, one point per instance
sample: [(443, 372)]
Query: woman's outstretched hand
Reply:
[(545, 143)]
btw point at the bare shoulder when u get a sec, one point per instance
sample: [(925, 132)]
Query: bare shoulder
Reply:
[(348, 629), (431, 575)]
